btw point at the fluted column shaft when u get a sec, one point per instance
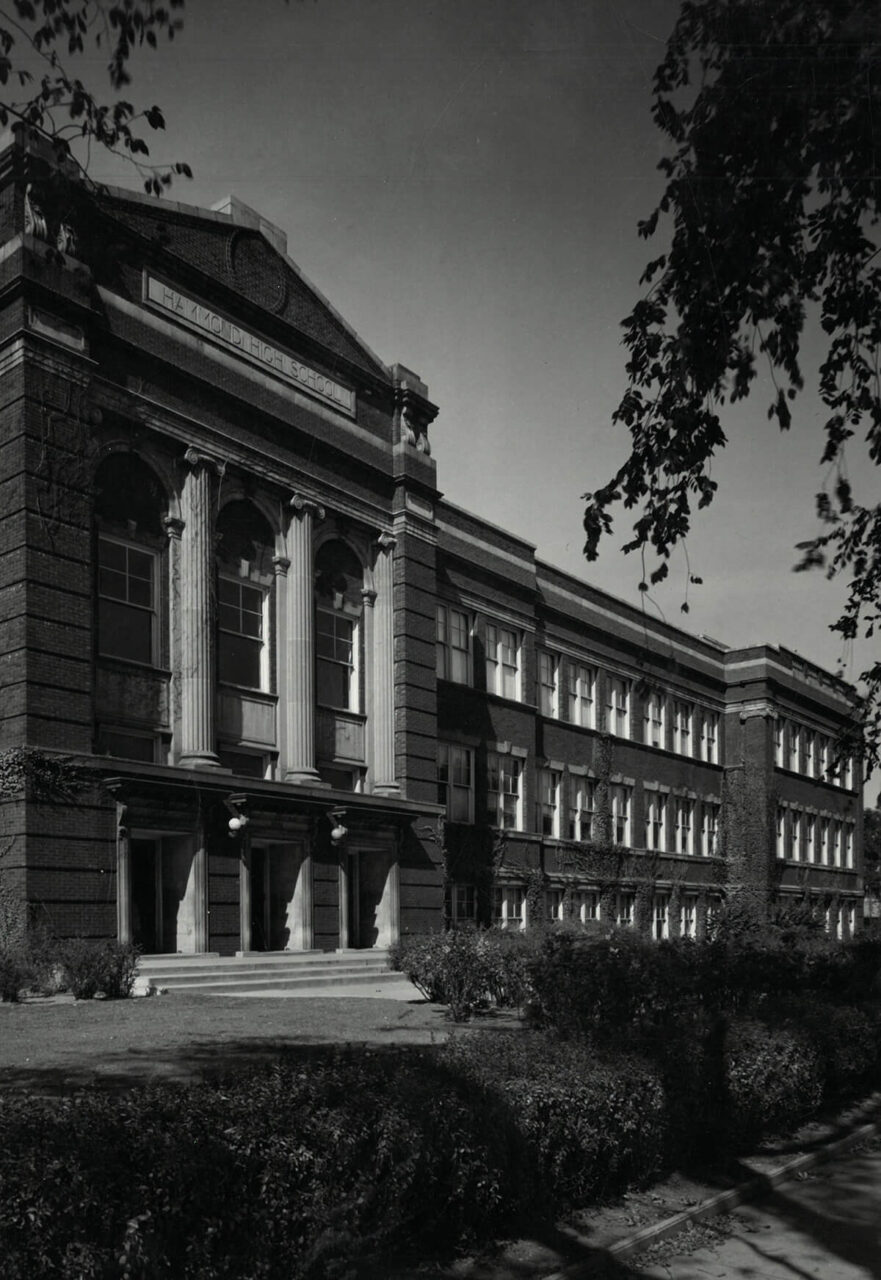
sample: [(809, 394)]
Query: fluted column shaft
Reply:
[(299, 698), (384, 781), (197, 677)]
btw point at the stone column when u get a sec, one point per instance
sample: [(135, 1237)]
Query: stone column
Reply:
[(299, 659), (383, 705), (123, 876), (197, 676)]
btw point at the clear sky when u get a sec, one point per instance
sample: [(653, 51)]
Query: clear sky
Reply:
[(463, 179)]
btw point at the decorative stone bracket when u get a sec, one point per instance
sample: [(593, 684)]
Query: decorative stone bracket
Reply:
[(414, 412)]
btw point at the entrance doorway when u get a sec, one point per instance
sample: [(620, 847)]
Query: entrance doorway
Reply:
[(368, 898), (276, 907), (164, 897)]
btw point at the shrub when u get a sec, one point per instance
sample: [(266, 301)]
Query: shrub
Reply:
[(90, 967), (773, 1081), (594, 1125), (468, 969), (15, 973), (292, 1172)]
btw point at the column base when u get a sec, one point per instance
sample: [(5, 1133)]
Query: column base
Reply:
[(387, 789), (200, 760), (305, 778)]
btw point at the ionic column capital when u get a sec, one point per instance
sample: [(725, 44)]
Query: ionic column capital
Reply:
[(195, 458), (174, 527), (368, 595), (301, 506), (280, 565)]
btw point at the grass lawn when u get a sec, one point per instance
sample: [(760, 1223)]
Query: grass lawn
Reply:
[(55, 1046)]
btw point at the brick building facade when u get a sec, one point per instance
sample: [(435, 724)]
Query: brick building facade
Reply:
[(231, 589)]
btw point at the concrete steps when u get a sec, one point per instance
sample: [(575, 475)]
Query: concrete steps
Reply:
[(211, 974)]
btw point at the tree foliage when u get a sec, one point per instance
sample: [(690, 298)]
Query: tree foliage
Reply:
[(771, 206), (38, 38)]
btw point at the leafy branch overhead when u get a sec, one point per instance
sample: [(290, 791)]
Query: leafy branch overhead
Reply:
[(38, 38), (771, 210)]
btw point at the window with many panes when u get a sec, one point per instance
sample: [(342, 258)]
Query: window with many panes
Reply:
[(463, 902), (587, 905), (625, 908), (547, 683), (554, 904), (618, 706), (127, 601), (549, 802), (710, 736), (655, 720), (582, 807), (502, 661), (509, 907), (241, 644), (683, 825), (504, 791), (582, 695), (683, 713), (620, 798), (688, 916), (453, 648), (656, 821), (710, 828), (660, 916), (335, 652), (455, 781)]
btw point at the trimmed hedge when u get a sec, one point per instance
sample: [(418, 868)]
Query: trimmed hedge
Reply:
[(468, 969)]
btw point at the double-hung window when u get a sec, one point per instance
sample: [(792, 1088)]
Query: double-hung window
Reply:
[(836, 843), (656, 720), (661, 917), (810, 838), (618, 706), (620, 804), (548, 667), (656, 821), (582, 695), (795, 835), (781, 832), (582, 808), (688, 917), (794, 747), (549, 802), (453, 648), (684, 825), (848, 844), (824, 851), (504, 800), (127, 600), (455, 781), (779, 753), (463, 902), (241, 647), (710, 737), (587, 905), (710, 829), (683, 713), (502, 661), (509, 907), (625, 904), (336, 653)]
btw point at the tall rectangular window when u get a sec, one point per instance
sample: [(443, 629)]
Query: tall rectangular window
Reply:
[(582, 695), (656, 720), (682, 727), (336, 685), (781, 832), (463, 901), (620, 803), (554, 904), (509, 907), (710, 736), (810, 838), (625, 904), (582, 806), (824, 841), (241, 645), (618, 706), (836, 842), (660, 917), (503, 792), (684, 825), (779, 753), (587, 905), (453, 648), (710, 829), (848, 844), (127, 612), (688, 917), (547, 683), (794, 747), (549, 802), (795, 835), (455, 781), (823, 754), (656, 822), (502, 661)]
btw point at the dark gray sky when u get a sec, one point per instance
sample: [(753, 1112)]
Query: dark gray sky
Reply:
[(462, 179)]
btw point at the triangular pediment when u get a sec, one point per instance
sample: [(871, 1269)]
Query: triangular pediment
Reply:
[(244, 260)]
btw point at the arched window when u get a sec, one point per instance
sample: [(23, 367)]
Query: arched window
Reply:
[(338, 606), (129, 506), (245, 547)]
